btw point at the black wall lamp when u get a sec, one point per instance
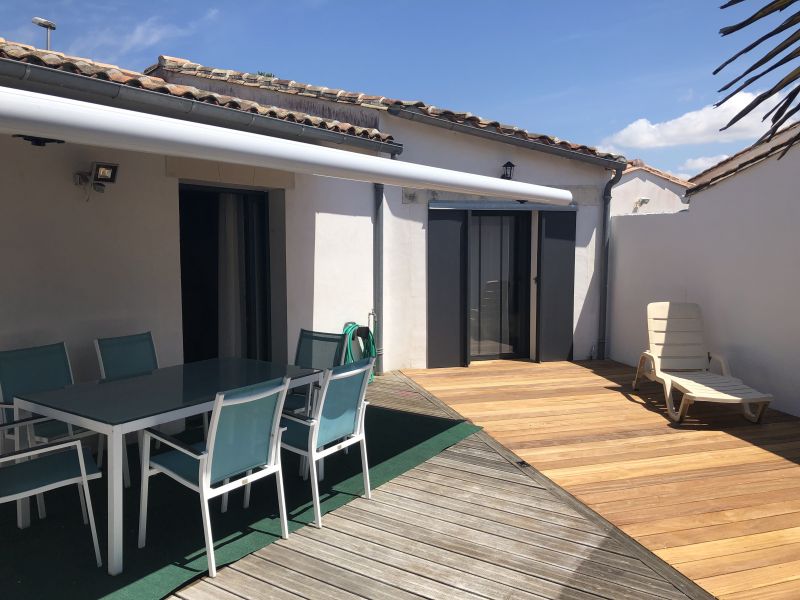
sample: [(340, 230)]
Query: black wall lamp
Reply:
[(98, 177), (508, 170)]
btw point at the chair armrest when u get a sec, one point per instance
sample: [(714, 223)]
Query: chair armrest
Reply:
[(23, 422), (172, 442), (51, 447), (306, 422), (724, 367)]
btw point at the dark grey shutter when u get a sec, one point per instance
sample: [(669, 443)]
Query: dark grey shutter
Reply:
[(556, 283)]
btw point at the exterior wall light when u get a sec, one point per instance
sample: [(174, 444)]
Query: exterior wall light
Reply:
[(98, 177), (508, 170)]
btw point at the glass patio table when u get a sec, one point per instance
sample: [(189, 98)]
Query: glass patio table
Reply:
[(114, 407)]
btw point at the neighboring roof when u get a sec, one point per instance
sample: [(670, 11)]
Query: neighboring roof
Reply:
[(746, 158), (186, 67), (638, 165), (97, 70)]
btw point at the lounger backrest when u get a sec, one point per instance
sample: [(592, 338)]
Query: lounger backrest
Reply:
[(676, 336)]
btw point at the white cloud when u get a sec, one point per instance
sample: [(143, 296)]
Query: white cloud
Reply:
[(700, 126), (114, 43), (701, 163)]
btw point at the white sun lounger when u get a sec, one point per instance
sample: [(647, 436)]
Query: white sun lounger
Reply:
[(679, 360)]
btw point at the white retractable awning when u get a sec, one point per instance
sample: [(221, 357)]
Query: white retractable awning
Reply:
[(79, 122)]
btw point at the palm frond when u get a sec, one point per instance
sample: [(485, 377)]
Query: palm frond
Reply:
[(787, 24), (781, 57), (786, 59), (772, 7), (786, 81), (787, 43)]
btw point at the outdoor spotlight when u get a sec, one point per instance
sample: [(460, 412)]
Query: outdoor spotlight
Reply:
[(44, 23), (640, 203), (508, 170), (104, 172), (100, 175)]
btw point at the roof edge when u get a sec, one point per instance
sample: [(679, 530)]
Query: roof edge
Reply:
[(323, 93), (532, 144)]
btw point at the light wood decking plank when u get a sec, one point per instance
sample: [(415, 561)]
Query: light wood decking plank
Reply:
[(711, 488)]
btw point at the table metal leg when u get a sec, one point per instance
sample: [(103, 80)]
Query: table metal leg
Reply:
[(24, 505), (115, 441)]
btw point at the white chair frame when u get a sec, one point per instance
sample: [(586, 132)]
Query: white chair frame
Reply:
[(204, 459), (312, 454), (5, 432), (82, 482), (101, 445)]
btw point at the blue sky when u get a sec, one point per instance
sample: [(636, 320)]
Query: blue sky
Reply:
[(630, 75)]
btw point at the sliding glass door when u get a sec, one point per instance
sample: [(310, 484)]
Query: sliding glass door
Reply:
[(499, 284)]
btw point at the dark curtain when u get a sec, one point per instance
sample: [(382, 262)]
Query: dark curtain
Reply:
[(244, 328)]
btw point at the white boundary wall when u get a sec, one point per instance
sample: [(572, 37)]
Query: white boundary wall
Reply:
[(736, 252)]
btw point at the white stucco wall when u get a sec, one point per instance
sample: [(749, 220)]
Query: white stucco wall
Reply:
[(328, 254), (73, 269), (664, 196), (406, 219), (735, 252)]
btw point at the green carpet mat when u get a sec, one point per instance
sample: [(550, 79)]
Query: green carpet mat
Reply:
[(54, 558)]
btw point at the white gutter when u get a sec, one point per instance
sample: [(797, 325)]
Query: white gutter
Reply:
[(79, 122)]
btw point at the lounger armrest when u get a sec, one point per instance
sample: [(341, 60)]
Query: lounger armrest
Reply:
[(173, 442), (306, 422), (655, 360), (51, 447), (23, 422), (724, 367)]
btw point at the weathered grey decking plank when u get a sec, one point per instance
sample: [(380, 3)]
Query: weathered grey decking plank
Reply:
[(466, 524), (498, 552), (274, 574)]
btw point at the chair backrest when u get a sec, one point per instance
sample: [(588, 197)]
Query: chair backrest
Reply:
[(126, 356), (319, 350), (675, 330), (243, 433), (31, 370), (340, 408)]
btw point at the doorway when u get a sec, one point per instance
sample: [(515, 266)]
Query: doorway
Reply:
[(499, 284), (225, 273), (480, 285)]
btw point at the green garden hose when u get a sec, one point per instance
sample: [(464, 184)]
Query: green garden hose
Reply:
[(367, 349)]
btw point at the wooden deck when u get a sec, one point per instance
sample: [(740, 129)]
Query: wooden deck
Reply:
[(468, 523), (717, 497)]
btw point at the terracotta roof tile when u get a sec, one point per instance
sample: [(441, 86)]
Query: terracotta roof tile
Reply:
[(639, 165), (97, 70), (185, 67)]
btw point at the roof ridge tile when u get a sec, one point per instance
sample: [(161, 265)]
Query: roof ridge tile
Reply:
[(97, 70), (368, 101)]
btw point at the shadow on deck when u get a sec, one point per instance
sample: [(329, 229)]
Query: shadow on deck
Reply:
[(467, 523)]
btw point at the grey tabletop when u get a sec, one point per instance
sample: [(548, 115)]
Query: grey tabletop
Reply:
[(118, 401)]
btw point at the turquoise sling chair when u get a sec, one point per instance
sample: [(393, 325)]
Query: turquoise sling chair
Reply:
[(36, 470), (315, 350), (127, 356), (31, 370), (335, 424), (243, 446), (120, 357)]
